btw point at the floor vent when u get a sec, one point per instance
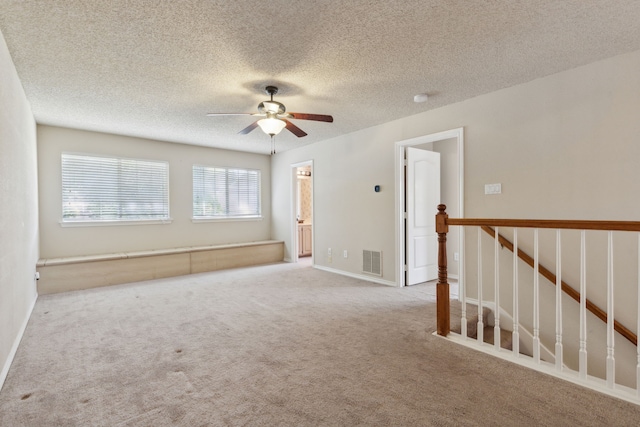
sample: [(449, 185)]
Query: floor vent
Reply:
[(372, 262)]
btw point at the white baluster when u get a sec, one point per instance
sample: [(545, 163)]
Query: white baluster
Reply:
[(536, 300), (462, 287), (583, 307), (515, 336), (480, 320), (611, 362), (638, 325), (496, 268), (558, 302)]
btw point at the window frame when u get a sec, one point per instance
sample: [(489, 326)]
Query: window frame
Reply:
[(228, 218), (110, 222)]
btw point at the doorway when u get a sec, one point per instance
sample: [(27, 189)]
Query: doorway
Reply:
[(450, 145), (302, 235)]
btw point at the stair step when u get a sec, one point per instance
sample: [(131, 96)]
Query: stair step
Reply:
[(472, 324), (505, 337)]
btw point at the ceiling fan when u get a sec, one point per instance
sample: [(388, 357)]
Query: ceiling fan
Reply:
[(275, 117)]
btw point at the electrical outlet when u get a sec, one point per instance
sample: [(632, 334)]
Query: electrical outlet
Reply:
[(492, 188), (456, 256), (345, 253), (329, 258)]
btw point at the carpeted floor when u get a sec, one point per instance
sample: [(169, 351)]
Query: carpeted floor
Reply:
[(276, 345)]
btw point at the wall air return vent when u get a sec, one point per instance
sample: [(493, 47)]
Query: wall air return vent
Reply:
[(372, 262)]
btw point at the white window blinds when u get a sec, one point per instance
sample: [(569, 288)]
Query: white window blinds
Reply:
[(225, 193), (113, 189)]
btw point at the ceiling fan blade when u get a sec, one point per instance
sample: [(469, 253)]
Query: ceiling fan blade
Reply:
[(249, 128), (316, 117), (295, 129)]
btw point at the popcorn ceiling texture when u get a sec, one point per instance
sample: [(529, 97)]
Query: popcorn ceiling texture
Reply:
[(154, 69)]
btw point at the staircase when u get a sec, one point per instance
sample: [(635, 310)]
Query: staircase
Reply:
[(614, 366), (472, 324)]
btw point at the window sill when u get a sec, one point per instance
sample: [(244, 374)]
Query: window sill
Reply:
[(228, 219), (111, 223)]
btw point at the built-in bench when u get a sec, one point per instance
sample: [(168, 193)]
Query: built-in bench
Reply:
[(85, 272)]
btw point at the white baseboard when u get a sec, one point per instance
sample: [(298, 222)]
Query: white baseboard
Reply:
[(356, 276), (16, 343)]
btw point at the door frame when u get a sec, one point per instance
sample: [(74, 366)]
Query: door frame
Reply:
[(458, 136), (294, 208)]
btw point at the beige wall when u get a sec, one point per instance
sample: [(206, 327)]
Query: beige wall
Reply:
[(563, 146), (57, 241), (18, 210), (347, 213)]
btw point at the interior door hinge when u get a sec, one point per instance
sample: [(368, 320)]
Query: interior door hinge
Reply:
[(406, 268)]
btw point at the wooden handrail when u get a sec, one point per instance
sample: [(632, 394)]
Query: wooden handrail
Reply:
[(442, 228), (548, 223), (574, 294)]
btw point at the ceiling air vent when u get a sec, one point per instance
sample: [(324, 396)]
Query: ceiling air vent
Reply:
[(372, 262)]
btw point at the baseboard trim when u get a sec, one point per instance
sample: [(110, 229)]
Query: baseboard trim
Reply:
[(16, 344), (356, 276)]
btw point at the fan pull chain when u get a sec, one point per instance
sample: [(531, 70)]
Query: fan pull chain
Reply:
[(273, 146)]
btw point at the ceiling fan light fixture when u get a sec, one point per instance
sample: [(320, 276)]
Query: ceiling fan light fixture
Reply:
[(271, 126)]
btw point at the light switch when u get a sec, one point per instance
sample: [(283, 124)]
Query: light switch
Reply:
[(492, 188)]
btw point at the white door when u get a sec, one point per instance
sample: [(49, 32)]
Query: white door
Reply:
[(423, 197)]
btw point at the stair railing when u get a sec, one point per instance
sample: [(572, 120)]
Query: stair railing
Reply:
[(491, 226)]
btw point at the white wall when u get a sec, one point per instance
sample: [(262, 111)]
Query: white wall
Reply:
[(18, 210), (347, 213), (57, 241)]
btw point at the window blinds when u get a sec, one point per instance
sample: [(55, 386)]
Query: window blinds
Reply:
[(225, 193), (113, 189)]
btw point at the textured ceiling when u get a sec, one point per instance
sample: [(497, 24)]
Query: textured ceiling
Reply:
[(154, 68)]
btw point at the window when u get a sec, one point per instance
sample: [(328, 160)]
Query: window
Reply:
[(225, 193), (108, 189)]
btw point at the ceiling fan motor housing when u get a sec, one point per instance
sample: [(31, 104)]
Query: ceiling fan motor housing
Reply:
[(271, 107)]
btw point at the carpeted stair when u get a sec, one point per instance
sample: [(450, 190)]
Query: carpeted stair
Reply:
[(472, 324)]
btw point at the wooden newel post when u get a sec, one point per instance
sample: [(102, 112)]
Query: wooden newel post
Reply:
[(442, 288)]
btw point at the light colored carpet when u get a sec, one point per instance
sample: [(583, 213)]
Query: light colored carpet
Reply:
[(276, 345)]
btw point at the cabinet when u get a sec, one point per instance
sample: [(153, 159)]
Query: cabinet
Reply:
[(305, 244)]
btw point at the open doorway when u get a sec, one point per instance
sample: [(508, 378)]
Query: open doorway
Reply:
[(302, 212), (449, 145)]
